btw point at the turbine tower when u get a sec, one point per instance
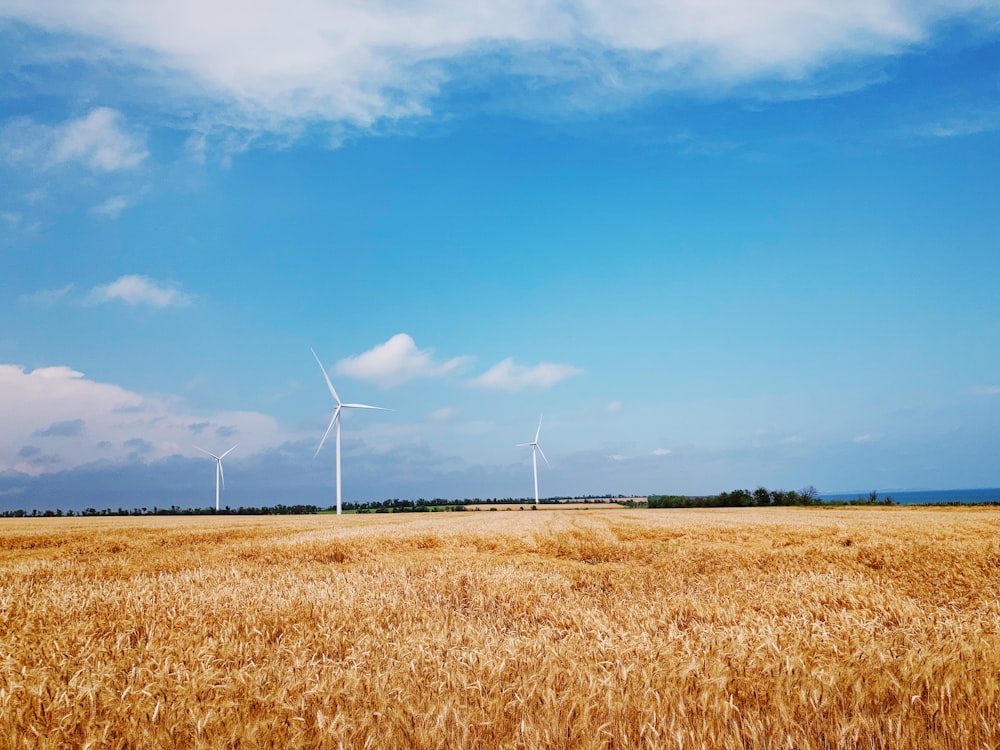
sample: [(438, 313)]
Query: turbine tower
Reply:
[(536, 448), (219, 476), (335, 419)]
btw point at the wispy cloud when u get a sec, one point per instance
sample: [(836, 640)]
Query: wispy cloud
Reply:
[(138, 290), (510, 376), (111, 208), (47, 297), (397, 361), (99, 140), (613, 407), (989, 390), (276, 65), (865, 438), (972, 123), (17, 223), (661, 452)]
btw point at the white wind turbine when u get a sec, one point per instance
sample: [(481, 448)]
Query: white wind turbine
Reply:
[(219, 476), (536, 448), (336, 420)]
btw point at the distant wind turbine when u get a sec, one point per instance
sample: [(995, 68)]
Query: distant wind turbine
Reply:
[(535, 447), (219, 476), (335, 419)]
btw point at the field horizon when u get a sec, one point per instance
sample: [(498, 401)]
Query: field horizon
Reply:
[(576, 628)]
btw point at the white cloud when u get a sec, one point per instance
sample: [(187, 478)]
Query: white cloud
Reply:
[(614, 406), (100, 140), (442, 415), (661, 452), (990, 390), (617, 457), (510, 376), (56, 418), (866, 438), (136, 290), (270, 64), (111, 208), (397, 361)]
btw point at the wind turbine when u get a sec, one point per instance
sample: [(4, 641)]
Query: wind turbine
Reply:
[(335, 419), (535, 447), (219, 476)]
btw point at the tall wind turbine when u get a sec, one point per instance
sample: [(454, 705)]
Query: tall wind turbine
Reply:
[(219, 476), (335, 419), (536, 448)]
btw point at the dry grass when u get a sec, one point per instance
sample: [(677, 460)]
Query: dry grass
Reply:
[(769, 628)]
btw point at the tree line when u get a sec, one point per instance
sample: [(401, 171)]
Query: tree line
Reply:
[(760, 497), (173, 510), (390, 505)]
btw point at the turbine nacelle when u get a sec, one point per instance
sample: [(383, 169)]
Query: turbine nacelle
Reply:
[(534, 443)]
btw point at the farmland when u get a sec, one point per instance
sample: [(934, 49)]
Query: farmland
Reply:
[(569, 628)]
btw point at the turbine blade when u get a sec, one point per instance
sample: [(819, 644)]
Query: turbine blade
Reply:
[(336, 415), (364, 406), (207, 453), (543, 455), (522, 445), (329, 385), (539, 430), (222, 474), (228, 452)]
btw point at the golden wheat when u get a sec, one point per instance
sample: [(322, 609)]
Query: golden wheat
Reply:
[(597, 628)]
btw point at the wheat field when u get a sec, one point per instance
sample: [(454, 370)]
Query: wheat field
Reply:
[(597, 628)]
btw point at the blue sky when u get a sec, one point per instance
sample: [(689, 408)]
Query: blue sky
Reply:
[(715, 244)]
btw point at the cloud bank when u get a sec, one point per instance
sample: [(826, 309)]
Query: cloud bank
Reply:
[(274, 66), (55, 418)]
